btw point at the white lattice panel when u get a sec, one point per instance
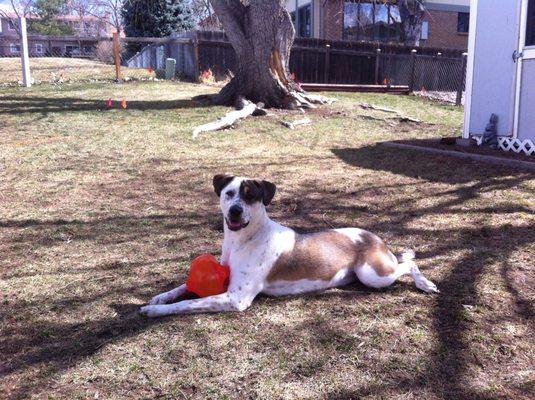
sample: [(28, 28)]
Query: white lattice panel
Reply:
[(525, 146), (518, 146)]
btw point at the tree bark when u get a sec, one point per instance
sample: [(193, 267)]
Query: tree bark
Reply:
[(412, 13), (261, 33)]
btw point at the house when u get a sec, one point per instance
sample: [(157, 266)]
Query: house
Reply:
[(501, 73), (445, 24), (88, 31)]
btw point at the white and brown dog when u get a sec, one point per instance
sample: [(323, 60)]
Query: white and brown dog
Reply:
[(266, 257)]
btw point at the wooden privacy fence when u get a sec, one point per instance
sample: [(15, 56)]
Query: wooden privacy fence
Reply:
[(316, 61)]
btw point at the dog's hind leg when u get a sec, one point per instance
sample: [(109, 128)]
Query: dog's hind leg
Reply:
[(169, 296), (382, 276)]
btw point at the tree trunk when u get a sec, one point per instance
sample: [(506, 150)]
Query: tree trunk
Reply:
[(412, 14), (262, 35)]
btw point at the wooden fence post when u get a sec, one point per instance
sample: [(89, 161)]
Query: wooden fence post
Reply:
[(25, 54), (117, 56), (327, 70), (196, 63), (459, 99), (413, 70), (377, 59)]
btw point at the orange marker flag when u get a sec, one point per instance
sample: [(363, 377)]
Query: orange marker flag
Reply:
[(123, 104), (150, 70)]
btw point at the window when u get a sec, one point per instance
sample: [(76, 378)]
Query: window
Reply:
[(0, 25), (72, 51), (530, 27), (39, 48), (14, 48), (11, 25), (305, 23), (425, 30), (370, 20), (463, 22)]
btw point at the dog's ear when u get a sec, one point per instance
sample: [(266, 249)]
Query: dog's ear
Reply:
[(220, 181), (268, 190)]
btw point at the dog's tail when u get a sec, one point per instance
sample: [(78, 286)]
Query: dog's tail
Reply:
[(408, 255)]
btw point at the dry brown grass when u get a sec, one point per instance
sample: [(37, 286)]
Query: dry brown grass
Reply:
[(62, 69), (101, 209)]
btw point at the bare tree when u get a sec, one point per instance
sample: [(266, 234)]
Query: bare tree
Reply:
[(411, 16), (19, 8), (108, 11), (204, 14), (82, 9), (412, 13), (261, 33)]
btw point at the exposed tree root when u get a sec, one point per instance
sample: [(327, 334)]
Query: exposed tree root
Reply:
[(229, 119), (292, 125)]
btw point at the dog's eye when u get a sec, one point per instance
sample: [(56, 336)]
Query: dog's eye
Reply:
[(230, 193)]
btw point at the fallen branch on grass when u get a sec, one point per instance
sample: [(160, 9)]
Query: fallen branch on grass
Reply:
[(247, 108), (367, 106), (292, 125), (400, 117)]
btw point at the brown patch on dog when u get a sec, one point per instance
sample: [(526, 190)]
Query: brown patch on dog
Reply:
[(252, 191), (319, 256)]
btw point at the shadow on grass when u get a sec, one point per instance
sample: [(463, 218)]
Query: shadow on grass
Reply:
[(44, 105), (483, 244), (58, 346)]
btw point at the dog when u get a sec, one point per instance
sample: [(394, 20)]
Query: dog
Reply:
[(266, 257)]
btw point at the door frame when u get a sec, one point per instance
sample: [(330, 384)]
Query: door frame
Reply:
[(472, 33), (525, 53)]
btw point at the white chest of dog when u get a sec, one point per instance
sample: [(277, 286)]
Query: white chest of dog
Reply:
[(266, 257)]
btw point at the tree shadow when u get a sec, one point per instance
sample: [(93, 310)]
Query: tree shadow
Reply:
[(43, 105), (420, 165), (483, 245)]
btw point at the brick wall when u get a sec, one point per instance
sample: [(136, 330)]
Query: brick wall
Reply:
[(334, 19), (443, 31)]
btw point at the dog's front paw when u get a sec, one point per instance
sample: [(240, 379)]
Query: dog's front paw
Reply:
[(160, 299), (151, 311), (426, 285)]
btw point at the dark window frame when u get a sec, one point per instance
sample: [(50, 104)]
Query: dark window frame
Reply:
[(305, 28), (463, 22), (530, 24)]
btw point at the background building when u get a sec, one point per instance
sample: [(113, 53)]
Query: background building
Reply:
[(446, 23)]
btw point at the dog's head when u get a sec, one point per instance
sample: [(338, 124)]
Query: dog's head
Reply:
[(242, 200)]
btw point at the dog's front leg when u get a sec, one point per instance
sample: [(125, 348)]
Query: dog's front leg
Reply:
[(169, 296), (218, 303)]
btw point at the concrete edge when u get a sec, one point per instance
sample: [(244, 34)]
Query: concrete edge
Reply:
[(471, 156)]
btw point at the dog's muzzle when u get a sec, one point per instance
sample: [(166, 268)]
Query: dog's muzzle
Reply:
[(234, 219)]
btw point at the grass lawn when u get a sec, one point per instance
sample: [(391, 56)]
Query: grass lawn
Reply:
[(61, 69), (102, 209)]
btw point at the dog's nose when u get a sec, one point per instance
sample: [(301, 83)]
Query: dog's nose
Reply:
[(235, 211)]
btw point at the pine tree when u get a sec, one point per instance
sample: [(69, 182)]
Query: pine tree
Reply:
[(156, 18), (47, 24)]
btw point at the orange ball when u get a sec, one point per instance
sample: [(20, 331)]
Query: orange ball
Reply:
[(207, 277)]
